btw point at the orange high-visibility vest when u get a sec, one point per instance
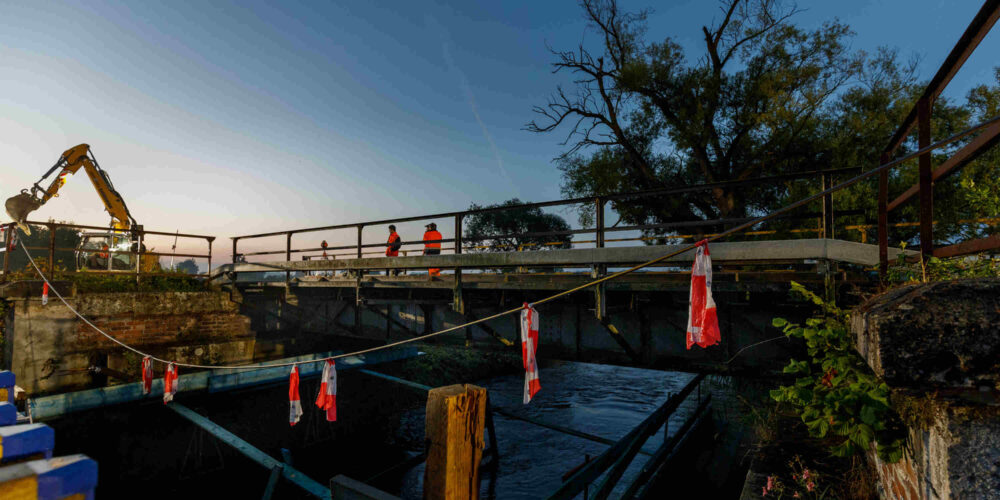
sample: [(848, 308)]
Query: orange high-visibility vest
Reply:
[(392, 246), (433, 239)]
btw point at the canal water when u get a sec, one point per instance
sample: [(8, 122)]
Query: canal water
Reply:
[(603, 400), (147, 451)]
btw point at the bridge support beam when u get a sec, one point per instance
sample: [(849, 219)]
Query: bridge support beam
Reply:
[(617, 335), (392, 321)]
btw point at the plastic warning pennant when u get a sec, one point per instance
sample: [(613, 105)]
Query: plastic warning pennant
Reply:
[(295, 405), (529, 347), (45, 293), (169, 383), (147, 375), (327, 397), (703, 323)]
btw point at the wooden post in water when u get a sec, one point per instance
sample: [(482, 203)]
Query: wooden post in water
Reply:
[(454, 434)]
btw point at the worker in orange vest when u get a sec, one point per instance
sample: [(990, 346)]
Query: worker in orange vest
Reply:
[(432, 246), (392, 248)]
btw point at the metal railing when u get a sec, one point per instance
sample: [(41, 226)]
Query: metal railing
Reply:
[(920, 116), (135, 236), (824, 222)]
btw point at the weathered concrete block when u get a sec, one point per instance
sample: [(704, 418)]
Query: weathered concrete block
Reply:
[(954, 451), (944, 334)]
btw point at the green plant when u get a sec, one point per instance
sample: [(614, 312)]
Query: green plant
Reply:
[(836, 395)]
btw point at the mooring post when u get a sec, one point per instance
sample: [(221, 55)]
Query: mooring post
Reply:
[(454, 434)]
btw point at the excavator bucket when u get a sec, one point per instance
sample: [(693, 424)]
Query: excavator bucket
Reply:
[(19, 206)]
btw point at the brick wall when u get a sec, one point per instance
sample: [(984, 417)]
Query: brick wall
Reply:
[(156, 330), (51, 348)]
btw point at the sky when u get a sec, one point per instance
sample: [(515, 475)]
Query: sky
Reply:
[(238, 118)]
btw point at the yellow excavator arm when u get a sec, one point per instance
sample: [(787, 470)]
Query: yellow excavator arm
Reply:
[(19, 206)]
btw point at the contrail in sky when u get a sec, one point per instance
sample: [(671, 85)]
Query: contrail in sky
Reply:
[(470, 99)]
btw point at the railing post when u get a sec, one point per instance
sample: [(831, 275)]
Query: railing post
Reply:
[(7, 240), (208, 280), (883, 219), (599, 221), (827, 182), (138, 257), (235, 257), (926, 183), (360, 228), (600, 299), (288, 256), (457, 303), (360, 272), (52, 251)]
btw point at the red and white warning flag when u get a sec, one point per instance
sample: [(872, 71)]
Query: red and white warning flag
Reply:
[(169, 383), (327, 397), (703, 323), (529, 346), (45, 293), (295, 410), (147, 375)]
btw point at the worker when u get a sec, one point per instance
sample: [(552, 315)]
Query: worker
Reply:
[(432, 246), (392, 248)]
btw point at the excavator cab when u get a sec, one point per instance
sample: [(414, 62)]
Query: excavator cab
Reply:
[(100, 252)]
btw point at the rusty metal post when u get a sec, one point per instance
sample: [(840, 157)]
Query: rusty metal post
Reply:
[(8, 239), (458, 304), (235, 257), (827, 182), (600, 298), (138, 258), (883, 219), (288, 256), (52, 250), (599, 220), (208, 280), (926, 183), (360, 228)]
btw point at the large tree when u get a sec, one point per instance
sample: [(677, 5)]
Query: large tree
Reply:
[(514, 229), (766, 97), (748, 107)]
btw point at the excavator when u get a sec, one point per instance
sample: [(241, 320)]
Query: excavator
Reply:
[(114, 250)]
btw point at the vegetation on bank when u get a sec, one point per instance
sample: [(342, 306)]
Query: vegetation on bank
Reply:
[(835, 393), (88, 282)]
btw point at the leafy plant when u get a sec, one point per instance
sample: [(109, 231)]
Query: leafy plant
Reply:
[(836, 395)]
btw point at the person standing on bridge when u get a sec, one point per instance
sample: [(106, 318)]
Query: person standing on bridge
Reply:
[(392, 248), (432, 246)]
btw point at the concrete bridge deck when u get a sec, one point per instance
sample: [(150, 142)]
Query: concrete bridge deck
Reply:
[(749, 252)]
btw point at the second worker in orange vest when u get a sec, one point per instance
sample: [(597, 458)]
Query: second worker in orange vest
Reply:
[(392, 248), (432, 246)]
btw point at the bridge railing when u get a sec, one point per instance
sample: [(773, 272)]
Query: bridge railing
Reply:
[(135, 243), (599, 231), (920, 116)]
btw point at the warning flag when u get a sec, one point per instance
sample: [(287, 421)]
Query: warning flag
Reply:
[(703, 323), (295, 410), (529, 346), (327, 397), (169, 383), (147, 375)]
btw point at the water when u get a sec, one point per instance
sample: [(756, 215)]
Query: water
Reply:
[(607, 401)]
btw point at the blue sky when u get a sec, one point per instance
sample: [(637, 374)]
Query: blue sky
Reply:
[(233, 118)]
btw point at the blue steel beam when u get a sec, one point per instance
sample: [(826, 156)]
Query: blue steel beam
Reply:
[(293, 475), (48, 407)]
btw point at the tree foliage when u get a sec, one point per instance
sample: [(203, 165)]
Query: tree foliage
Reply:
[(514, 229), (188, 266), (766, 97)]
